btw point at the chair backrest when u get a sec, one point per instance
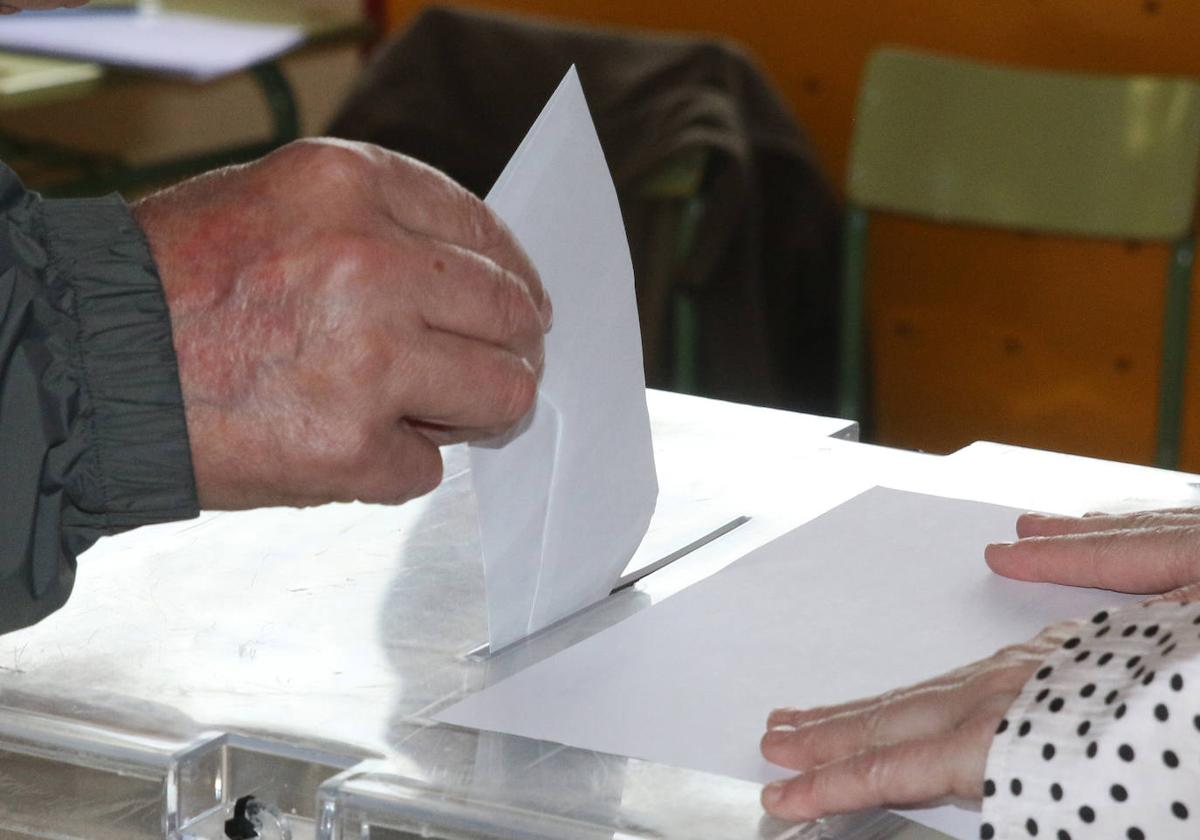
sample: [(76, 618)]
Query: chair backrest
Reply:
[(966, 142)]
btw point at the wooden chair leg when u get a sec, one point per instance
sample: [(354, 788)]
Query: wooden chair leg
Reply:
[(1174, 353), (852, 359)]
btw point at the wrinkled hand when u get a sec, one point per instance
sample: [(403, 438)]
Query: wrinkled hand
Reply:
[(11, 7), (1150, 552), (338, 311), (906, 747), (929, 741)]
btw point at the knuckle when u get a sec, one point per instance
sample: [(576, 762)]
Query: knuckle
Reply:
[(327, 163), (513, 309), (1183, 567), (802, 794), (873, 719), (367, 360), (805, 746), (486, 231), (875, 771), (346, 259)]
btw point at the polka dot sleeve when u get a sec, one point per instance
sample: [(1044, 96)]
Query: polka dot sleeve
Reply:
[(1104, 740)]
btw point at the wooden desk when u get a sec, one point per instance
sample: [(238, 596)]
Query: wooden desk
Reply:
[(31, 80), (28, 80)]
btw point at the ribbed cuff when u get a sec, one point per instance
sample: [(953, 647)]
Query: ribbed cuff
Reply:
[(100, 264)]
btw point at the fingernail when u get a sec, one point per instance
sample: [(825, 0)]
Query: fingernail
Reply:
[(771, 794), (547, 312), (777, 735)]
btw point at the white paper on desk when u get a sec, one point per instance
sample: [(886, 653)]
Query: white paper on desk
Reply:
[(194, 46), (883, 591), (564, 503)]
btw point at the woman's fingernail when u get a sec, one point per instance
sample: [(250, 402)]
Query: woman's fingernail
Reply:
[(777, 735), (547, 312), (772, 793)]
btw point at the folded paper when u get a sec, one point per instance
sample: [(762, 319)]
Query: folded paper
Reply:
[(565, 500)]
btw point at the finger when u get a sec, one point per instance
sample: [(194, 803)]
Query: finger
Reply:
[(426, 201), (388, 465), (909, 773), (456, 382), (440, 435), (406, 465), (1149, 560), (1044, 525), (815, 742), (999, 662), (469, 295), (1184, 509), (799, 717), (922, 712)]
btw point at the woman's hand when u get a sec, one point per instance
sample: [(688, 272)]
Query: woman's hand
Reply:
[(905, 747), (929, 741), (1151, 552)]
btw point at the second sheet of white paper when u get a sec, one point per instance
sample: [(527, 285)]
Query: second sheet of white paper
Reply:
[(885, 590)]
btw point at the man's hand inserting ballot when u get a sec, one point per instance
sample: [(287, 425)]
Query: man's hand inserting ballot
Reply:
[(338, 311), (917, 745)]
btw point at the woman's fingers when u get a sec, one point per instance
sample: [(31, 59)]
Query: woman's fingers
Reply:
[(904, 747), (801, 740), (1045, 525), (908, 773), (1147, 560)]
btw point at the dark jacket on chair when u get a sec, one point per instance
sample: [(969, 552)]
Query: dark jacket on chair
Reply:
[(460, 88)]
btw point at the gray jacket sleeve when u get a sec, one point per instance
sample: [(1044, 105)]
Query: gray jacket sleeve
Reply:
[(92, 432)]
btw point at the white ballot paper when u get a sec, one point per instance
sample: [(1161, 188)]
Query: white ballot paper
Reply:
[(885, 590), (564, 502), (197, 47)]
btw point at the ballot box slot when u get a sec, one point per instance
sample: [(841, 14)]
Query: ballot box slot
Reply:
[(627, 582)]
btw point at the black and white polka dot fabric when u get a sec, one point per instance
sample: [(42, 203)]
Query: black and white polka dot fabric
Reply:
[(1104, 740)]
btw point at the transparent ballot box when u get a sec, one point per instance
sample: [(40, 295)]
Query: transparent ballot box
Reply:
[(276, 673)]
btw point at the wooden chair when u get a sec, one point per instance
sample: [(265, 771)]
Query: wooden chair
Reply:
[(968, 143)]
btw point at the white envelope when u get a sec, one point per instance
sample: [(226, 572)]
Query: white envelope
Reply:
[(565, 500)]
